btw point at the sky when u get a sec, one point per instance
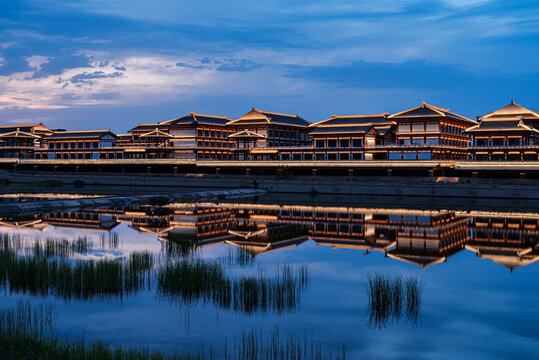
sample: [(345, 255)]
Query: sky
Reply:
[(102, 64)]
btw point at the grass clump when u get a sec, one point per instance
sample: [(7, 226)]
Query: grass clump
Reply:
[(42, 275), (255, 345), (187, 282), (27, 332), (239, 256), (392, 298)]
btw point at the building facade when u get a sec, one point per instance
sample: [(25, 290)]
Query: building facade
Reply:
[(355, 137), (93, 144), (200, 136), (429, 132), (258, 134), (510, 133)]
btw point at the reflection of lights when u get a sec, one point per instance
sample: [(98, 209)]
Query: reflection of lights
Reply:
[(49, 195)]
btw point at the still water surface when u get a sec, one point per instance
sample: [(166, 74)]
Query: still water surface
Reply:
[(477, 268)]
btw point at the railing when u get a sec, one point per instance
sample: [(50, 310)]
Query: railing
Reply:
[(474, 147), (18, 147)]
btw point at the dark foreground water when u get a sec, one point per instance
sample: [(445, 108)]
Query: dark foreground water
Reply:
[(476, 270)]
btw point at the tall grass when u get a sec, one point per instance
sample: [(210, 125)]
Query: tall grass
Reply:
[(112, 241), (25, 318), (190, 281), (45, 276), (238, 256), (186, 282), (392, 298), (62, 247), (48, 271), (27, 332), (255, 345)]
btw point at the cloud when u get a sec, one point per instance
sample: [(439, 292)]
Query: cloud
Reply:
[(136, 79), (36, 61)]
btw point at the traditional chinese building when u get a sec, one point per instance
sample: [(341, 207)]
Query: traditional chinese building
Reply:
[(429, 132), (21, 141), (509, 241), (353, 137), (258, 134), (425, 240), (200, 136), (510, 133), (93, 144), (148, 141)]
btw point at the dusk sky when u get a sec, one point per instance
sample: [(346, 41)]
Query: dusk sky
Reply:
[(112, 64)]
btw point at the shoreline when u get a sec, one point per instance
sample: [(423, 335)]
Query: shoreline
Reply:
[(517, 189)]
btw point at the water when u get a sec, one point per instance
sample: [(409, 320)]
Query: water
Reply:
[(476, 269)]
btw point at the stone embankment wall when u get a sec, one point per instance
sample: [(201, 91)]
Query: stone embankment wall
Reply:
[(45, 206), (344, 186)]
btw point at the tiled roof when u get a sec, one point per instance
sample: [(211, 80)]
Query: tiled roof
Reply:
[(256, 116), (156, 134), (91, 134), (29, 128), (347, 130), (149, 127), (123, 137), (501, 124), (512, 109), (19, 134), (354, 120), (427, 110), (352, 124), (194, 118), (246, 134)]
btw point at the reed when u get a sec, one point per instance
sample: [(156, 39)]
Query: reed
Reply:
[(45, 276), (111, 241), (27, 332), (238, 256), (190, 281), (62, 247), (392, 298), (28, 319), (187, 282), (256, 345)]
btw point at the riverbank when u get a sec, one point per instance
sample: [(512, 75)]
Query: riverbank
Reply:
[(344, 186)]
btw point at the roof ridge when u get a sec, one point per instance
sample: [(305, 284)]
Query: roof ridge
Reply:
[(276, 113), (436, 107), (358, 116), (156, 123), (19, 125), (72, 131), (209, 115)]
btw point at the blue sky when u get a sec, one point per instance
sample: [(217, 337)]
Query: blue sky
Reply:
[(112, 64)]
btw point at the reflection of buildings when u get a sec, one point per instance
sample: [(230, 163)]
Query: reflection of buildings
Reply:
[(422, 238), (83, 220), (511, 242), (428, 240)]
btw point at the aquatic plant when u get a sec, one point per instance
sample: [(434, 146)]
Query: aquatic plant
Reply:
[(112, 241), (44, 276), (27, 332), (238, 256), (62, 247), (392, 298), (26, 318), (255, 345), (189, 281), (186, 282)]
